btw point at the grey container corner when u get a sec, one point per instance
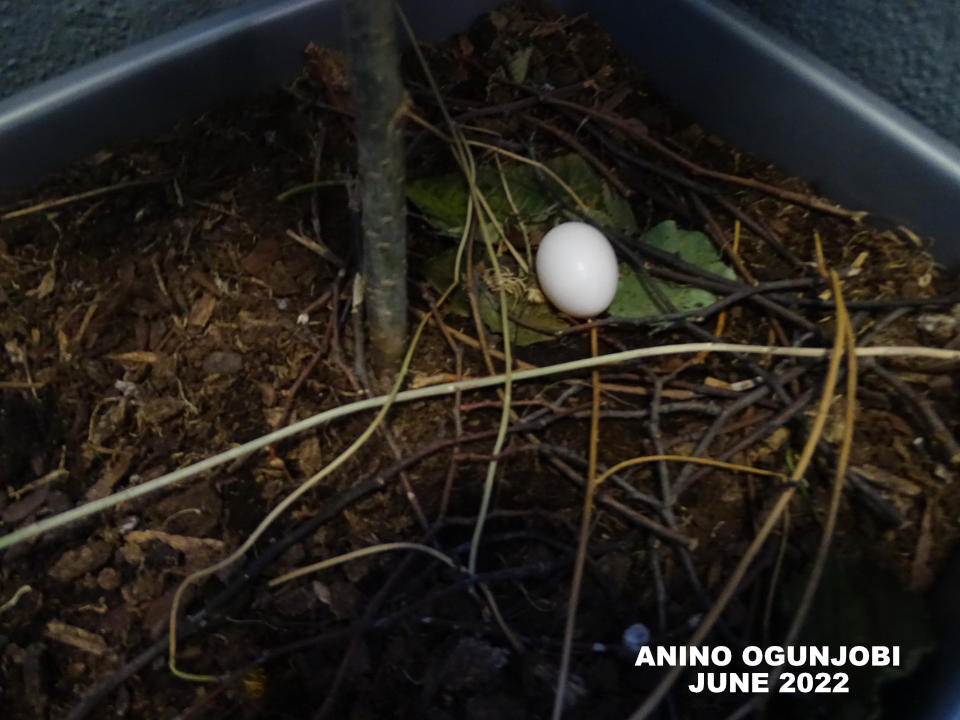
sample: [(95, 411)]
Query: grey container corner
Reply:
[(739, 79)]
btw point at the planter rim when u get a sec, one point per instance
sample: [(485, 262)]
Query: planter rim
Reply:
[(735, 76)]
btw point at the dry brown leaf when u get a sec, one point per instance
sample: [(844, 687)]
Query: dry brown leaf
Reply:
[(63, 344), (773, 443), (860, 259)]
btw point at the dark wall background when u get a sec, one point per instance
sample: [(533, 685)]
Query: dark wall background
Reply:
[(43, 38), (907, 51)]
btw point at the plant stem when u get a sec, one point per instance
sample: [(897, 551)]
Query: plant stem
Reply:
[(378, 102)]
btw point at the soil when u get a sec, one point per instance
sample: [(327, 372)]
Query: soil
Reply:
[(172, 315)]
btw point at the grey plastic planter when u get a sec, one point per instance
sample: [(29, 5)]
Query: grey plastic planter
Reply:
[(737, 78)]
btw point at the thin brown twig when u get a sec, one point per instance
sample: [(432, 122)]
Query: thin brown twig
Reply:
[(639, 133), (779, 506), (683, 480), (357, 632), (840, 473), (720, 238), (60, 202), (758, 227), (303, 375), (582, 540), (472, 342), (940, 430), (583, 151), (606, 500)]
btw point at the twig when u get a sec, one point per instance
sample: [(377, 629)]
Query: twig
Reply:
[(569, 456), (640, 134), (360, 368), (59, 202), (582, 150), (941, 433), (607, 501), (683, 480), (758, 227), (840, 472), (582, 540), (769, 426), (780, 505), (663, 473), (303, 375), (477, 345), (951, 299), (724, 246), (95, 506), (457, 410)]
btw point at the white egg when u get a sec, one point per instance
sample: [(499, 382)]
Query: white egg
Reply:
[(577, 269)]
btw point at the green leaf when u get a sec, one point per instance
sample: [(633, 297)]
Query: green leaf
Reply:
[(539, 315), (439, 271), (518, 64), (443, 198), (691, 245), (439, 268), (619, 210), (634, 299)]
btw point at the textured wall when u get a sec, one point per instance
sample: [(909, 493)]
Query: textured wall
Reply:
[(43, 38), (907, 51)]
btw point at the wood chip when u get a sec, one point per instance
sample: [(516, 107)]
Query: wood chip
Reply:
[(183, 543), (76, 637), (887, 480), (136, 356), (202, 310)]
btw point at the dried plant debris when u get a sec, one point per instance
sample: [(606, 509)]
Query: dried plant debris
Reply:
[(174, 298)]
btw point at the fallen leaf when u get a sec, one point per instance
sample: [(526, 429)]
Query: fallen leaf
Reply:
[(308, 454), (518, 64)]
